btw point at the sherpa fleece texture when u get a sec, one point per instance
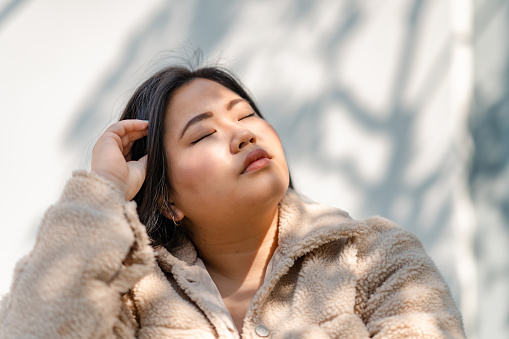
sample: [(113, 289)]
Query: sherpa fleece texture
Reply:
[(92, 274)]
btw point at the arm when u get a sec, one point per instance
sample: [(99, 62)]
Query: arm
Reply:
[(90, 250), (403, 295)]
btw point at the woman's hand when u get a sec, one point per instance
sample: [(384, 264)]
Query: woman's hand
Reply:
[(111, 156)]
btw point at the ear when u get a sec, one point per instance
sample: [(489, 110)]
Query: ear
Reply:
[(170, 211), (173, 214)]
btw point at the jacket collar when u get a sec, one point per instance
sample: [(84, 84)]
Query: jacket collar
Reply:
[(303, 226)]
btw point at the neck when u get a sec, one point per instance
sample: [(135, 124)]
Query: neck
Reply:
[(239, 251)]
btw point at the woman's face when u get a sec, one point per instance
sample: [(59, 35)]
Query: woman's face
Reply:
[(225, 160)]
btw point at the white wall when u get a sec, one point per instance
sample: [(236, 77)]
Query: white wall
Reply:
[(489, 174)]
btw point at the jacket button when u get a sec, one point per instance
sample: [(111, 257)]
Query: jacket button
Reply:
[(262, 331)]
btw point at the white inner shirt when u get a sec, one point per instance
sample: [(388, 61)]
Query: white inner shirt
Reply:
[(211, 293)]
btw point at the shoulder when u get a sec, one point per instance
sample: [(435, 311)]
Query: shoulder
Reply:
[(386, 244), (382, 233), (400, 285), (377, 240), (390, 253)]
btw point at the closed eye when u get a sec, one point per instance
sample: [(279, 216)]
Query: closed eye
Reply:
[(201, 138), (247, 116)]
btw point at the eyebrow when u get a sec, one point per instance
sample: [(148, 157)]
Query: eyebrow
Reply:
[(208, 115), (233, 102)]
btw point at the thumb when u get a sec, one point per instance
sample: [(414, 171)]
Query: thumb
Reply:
[(137, 174), (140, 167), (143, 163)]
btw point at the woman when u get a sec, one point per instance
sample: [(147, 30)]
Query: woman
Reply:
[(234, 250)]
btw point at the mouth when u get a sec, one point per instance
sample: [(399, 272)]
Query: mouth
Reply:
[(256, 160)]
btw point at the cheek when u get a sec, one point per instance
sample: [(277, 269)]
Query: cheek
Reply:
[(185, 173), (269, 134), (198, 172), (271, 137), (266, 131)]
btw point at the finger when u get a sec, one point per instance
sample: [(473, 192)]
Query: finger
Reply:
[(123, 127), (107, 138), (138, 168), (138, 172), (143, 163), (126, 152), (132, 136), (122, 132)]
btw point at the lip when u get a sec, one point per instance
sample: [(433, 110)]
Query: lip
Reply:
[(255, 160)]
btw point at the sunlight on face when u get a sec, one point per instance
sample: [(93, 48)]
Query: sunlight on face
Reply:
[(225, 160)]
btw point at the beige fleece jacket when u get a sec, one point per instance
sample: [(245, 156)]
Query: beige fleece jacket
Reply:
[(92, 274)]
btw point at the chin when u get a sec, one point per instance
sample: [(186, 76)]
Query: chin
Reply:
[(268, 191)]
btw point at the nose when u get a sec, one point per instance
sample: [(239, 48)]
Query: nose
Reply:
[(241, 138)]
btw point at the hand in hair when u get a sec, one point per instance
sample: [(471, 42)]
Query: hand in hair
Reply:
[(111, 156)]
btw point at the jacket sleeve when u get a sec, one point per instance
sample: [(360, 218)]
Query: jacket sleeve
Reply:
[(403, 295), (90, 251)]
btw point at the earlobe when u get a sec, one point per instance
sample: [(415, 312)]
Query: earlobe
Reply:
[(171, 211)]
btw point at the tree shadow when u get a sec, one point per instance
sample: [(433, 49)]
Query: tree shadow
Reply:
[(488, 183), (303, 134), (8, 10)]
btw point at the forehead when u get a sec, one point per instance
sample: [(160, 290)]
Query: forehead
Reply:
[(197, 96)]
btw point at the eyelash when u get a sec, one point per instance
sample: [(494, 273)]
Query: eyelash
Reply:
[(247, 116), (203, 137)]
